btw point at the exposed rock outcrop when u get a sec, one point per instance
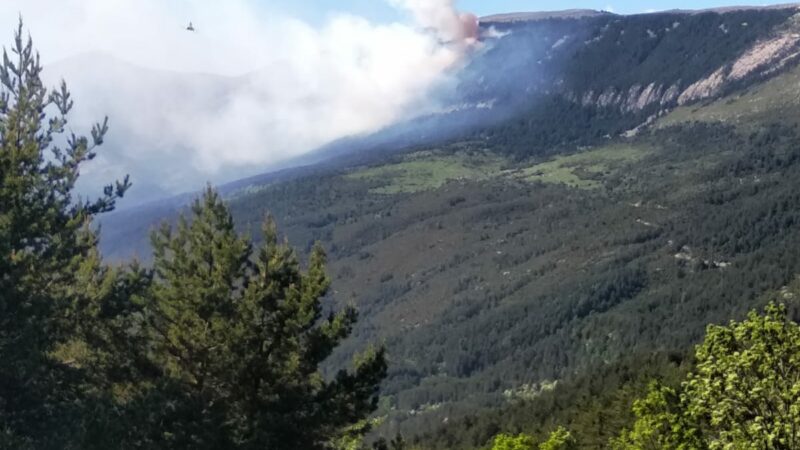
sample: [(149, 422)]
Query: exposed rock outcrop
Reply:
[(636, 98), (763, 58)]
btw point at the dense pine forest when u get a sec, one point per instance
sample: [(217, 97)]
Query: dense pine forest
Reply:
[(558, 277)]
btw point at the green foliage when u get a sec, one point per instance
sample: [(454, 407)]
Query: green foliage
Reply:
[(582, 170), (745, 391), (397, 443), (559, 439), (50, 274), (596, 405), (660, 423), (510, 442), (428, 170), (742, 394), (239, 337)]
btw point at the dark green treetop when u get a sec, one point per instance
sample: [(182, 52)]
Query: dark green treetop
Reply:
[(239, 335), (744, 392), (47, 248)]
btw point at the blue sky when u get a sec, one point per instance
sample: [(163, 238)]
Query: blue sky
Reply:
[(316, 10)]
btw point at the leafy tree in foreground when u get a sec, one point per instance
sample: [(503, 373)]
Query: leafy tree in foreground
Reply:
[(744, 392), (510, 442), (560, 439), (239, 336), (48, 255), (660, 423)]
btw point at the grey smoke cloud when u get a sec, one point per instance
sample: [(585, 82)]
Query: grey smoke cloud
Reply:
[(249, 89)]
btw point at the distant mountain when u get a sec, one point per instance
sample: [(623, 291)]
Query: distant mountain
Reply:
[(542, 15), (581, 69), (727, 9), (143, 115)]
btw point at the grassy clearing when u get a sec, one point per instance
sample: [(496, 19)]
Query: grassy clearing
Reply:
[(583, 170), (424, 171), (430, 170), (774, 100)]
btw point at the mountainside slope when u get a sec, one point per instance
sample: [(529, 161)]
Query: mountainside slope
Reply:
[(540, 243), (568, 79)]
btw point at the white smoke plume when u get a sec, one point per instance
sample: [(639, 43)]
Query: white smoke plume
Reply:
[(249, 89)]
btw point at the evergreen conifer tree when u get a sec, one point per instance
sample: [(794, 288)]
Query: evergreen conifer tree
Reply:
[(47, 252), (239, 336)]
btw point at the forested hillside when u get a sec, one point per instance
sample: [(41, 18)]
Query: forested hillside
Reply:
[(511, 276), (607, 187)]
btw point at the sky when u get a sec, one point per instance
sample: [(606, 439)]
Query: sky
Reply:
[(317, 10), (484, 7), (259, 82), (315, 13)]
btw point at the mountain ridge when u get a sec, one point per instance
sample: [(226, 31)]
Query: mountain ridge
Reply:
[(531, 16), (541, 15)]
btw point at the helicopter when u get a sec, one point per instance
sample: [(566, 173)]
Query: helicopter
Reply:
[(190, 27)]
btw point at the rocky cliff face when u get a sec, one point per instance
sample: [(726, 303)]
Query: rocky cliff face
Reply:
[(762, 59), (640, 65), (634, 99), (767, 56)]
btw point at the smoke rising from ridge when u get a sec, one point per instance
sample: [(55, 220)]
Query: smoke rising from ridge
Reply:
[(443, 18), (249, 89)]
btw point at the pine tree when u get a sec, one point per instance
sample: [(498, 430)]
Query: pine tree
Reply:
[(239, 337), (46, 251)]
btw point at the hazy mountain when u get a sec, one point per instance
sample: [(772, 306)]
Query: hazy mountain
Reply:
[(100, 85)]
